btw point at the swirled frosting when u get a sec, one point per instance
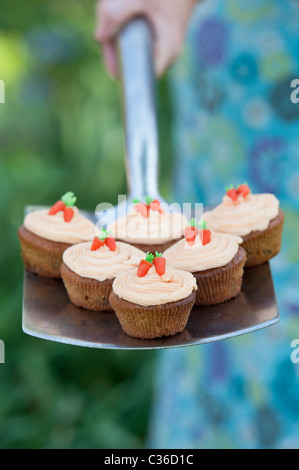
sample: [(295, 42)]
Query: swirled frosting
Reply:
[(157, 228), (153, 289), (249, 214), (53, 227), (102, 264), (198, 257)]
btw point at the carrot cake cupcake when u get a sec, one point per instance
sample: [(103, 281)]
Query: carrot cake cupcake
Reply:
[(153, 300), (149, 227), (216, 260), (89, 269), (256, 218), (46, 234)]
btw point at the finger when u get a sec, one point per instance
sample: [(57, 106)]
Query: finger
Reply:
[(168, 46), (110, 58), (113, 14)]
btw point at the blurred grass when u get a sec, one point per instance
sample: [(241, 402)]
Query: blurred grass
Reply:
[(61, 129)]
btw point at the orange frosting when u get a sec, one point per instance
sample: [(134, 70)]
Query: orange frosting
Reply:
[(157, 228), (251, 213), (153, 289), (103, 263), (53, 227), (198, 257)]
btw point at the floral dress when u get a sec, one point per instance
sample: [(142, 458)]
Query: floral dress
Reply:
[(234, 121)]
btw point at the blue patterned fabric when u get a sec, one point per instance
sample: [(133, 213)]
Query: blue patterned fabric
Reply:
[(235, 122)]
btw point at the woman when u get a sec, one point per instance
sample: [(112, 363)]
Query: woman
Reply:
[(234, 122)]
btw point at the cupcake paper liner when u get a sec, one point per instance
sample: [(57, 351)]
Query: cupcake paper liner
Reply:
[(261, 246), (154, 321), (218, 285), (87, 293), (41, 256)]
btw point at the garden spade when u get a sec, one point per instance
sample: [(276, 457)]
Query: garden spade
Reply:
[(47, 310), (137, 78)]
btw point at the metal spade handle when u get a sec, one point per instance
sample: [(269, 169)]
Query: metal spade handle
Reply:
[(135, 44)]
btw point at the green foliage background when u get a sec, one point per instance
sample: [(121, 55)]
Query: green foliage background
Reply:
[(61, 129)]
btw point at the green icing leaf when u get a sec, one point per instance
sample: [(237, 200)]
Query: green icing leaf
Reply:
[(103, 234), (202, 225), (157, 255), (193, 222), (148, 199), (69, 199), (135, 201), (149, 257)]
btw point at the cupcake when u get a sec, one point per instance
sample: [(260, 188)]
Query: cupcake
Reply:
[(256, 218), (153, 300), (216, 260), (89, 269), (46, 234), (149, 227)]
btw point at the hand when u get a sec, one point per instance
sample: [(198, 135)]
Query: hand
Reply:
[(169, 19)]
